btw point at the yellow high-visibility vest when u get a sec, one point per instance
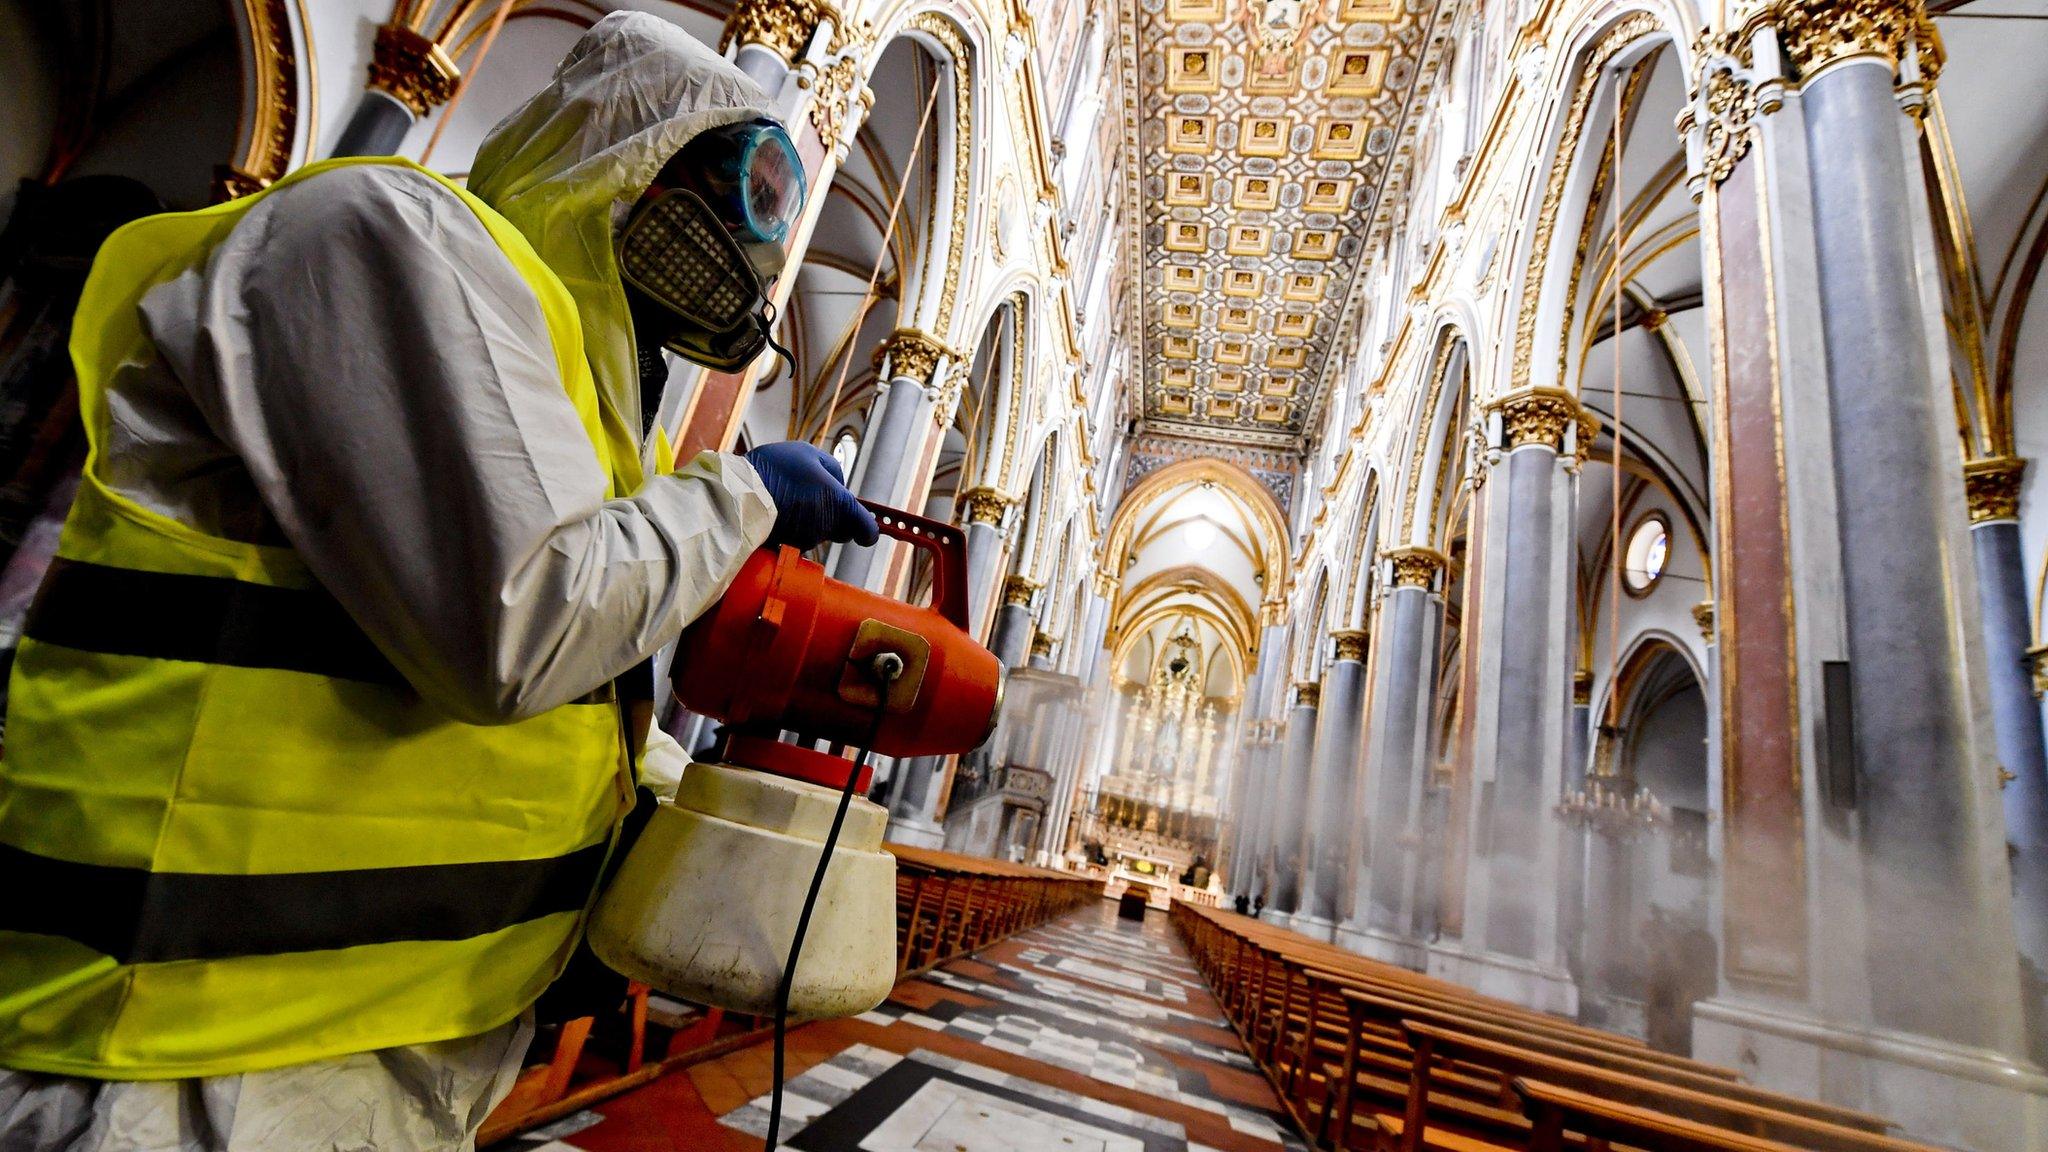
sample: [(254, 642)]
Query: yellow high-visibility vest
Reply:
[(231, 836)]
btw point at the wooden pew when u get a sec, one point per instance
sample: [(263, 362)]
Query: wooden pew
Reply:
[(1341, 1037), (1369, 1033), (1756, 1112), (1552, 1110)]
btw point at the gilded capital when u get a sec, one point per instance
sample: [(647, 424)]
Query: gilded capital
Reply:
[(1415, 567), (1703, 615), (1308, 693), (911, 355), (1992, 487), (412, 69), (986, 505), (1351, 643), (1817, 33), (1582, 688), (784, 27), (1041, 644), (1018, 590), (1536, 416)]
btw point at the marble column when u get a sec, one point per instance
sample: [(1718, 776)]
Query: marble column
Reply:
[(987, 546), (1249, 814), (1011, 640), (1933, 908), (1992, 488), (1296, 761), (893, 444), (1399, 752), (1333, 781), (410, 75), (1864, 863), (1512, 941), (1572, 883)]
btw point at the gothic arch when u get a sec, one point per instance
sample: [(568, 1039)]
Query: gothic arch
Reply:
[(1438, 438), (1544, 309), (1264, 512)]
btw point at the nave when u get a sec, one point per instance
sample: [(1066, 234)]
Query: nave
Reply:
[(1089, 1032)]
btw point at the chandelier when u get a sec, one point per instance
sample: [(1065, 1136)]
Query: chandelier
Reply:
[(1610, 806)]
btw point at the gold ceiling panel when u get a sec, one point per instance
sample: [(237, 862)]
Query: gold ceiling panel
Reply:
[(1263, 135)]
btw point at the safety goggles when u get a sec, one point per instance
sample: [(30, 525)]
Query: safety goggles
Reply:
[(749, 176)]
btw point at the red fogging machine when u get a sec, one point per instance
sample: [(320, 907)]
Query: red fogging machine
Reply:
[(708, 899)]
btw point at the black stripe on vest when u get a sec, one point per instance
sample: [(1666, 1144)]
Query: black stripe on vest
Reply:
[(203, 619), (137, 916), (211, 620)]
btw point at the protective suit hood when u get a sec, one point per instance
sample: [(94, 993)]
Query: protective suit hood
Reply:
[(566, 164)]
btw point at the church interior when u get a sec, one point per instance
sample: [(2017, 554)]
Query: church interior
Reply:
[(1507, 526)]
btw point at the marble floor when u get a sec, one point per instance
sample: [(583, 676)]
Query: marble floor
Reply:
[(1090, 1034)]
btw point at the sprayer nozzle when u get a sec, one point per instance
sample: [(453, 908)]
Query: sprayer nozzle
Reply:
[(886, 667)]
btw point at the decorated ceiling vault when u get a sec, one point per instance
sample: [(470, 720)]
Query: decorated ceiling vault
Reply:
[(1265, 135), (1508, 484)]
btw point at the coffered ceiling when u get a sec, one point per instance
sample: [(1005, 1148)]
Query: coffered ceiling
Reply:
[(1263, 134)]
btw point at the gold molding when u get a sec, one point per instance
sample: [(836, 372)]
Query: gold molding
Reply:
[(947, 33), (273, 118), (985, 505), (1992, 488), (1415, 566), (1351, 643), (1536, 416), (1703, 615), (1731, 107), (1019, 590), (839, 79), (412, 69), (1629, 29)]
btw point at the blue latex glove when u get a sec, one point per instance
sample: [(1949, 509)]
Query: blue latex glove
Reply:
[(812, 504)]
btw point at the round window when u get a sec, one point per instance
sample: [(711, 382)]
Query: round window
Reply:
[(1648, 547)]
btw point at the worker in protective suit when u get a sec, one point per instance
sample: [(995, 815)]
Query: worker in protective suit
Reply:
[(327, 718)]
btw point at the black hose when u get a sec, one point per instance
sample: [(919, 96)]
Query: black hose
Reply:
[(803, 923)]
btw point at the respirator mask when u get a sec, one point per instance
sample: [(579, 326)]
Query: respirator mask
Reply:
[(705, 241)]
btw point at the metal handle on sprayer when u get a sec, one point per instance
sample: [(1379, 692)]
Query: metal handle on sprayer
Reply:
[(947, 547)]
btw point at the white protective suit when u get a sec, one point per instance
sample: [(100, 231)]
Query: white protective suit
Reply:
[(360, 372)]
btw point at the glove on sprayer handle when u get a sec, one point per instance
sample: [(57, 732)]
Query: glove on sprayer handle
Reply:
[(947, 548)]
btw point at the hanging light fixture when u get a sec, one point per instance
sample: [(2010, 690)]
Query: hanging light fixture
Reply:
[(1609, 804)]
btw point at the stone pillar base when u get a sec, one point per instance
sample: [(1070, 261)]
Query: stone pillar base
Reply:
[(1543, 987), (1384, 947), (1938, 1092), (916, 832), (1314, 927)]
